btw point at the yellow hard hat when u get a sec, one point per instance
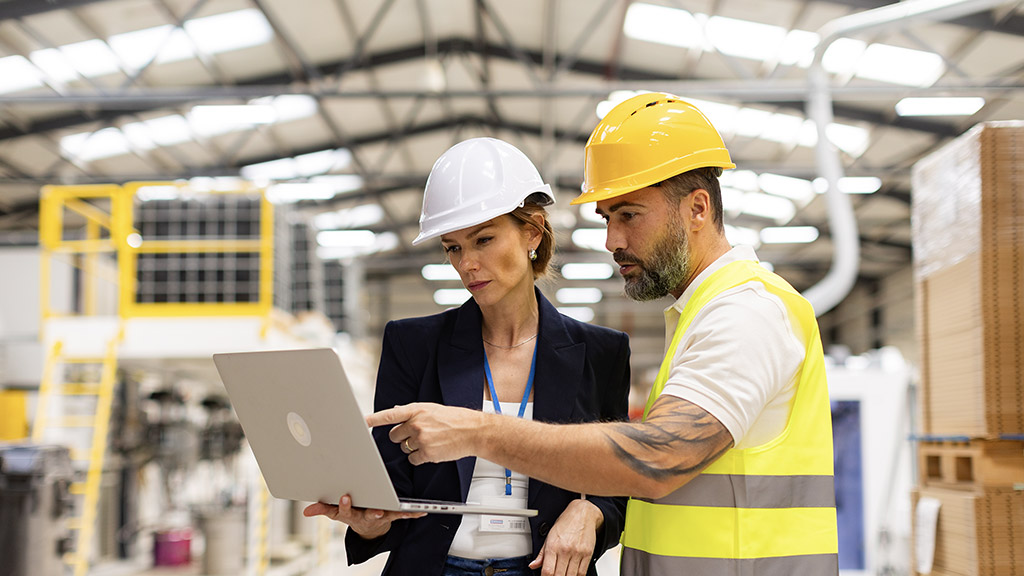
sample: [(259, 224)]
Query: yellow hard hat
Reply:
[(645, 140)]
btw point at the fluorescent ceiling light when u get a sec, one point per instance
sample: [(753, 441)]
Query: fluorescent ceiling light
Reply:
[(722, 116), (732, 200), (280, 169), (751, 122), (54, 65), (91, 58), (355, 217), (588, 212), (217, 184), (850, 139), (744, 38), (380, 243), (842, 55), (451, 296), (230, 31), (579, 295), (851, 185), (781, 210), (440, 272), (798, 48), (139, 47), (591, 238), (341, 183), (789, 235), (289, 192), (663, 25), (783, 128), (961, 106), (796, 189), (17, 73), (741, 236), (580, 313), (900, 65), (290, 106), (587, 271), (336, 238), (322, 162), (745, 180), (210, 120)]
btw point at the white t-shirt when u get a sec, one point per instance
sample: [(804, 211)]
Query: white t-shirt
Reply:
[(739, 357), (488, 487)]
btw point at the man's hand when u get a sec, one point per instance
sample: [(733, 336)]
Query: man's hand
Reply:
[(369, 524), (569, 545), (431, 432)]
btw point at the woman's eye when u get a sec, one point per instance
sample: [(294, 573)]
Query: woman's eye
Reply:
[(484, 239), (451, 249)]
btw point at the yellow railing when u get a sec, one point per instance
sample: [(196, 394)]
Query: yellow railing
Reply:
[(113, 232)]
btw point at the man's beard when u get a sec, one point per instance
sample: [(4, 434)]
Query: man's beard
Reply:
[(666, 269)]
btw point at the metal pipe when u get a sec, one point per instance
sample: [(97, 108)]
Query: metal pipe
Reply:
[(839, 280)]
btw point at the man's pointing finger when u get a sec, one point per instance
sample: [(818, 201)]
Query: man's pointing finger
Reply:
[(395, 415)]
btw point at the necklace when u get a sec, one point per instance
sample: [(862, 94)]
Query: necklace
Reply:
[(509, 347)]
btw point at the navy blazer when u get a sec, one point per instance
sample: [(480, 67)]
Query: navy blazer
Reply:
[(582, 375)]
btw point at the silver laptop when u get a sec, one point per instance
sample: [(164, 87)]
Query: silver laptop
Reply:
[(310, 438)]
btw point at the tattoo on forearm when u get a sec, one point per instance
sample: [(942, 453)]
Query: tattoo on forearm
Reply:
[(678, 439)]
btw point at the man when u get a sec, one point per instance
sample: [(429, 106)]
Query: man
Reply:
[(730, 471)]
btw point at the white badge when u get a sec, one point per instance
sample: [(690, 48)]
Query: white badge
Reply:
[(503, 524)]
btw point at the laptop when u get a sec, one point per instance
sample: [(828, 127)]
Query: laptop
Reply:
[(310, 438)]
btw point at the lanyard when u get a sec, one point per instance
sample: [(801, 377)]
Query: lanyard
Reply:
[(522, 404)]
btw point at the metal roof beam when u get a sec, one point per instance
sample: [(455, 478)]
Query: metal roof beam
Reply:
[(21, 8)]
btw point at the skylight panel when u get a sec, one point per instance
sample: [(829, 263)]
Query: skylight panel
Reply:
[(783, 128), (213, 120), (751, 122), (900, 65), (280, 169), (230, 31), (789, 235), (741, 236), (439, 272), (17, 73), (90, 146), (722, 116), (663, 25), (91, 58), (590, 238), (952, 106), (744, 38), (781, 210), (54, 65), (139, 47), (341, 183), (797, 189), (319, 162)]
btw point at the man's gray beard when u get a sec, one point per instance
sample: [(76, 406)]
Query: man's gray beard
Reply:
[(668, 268)]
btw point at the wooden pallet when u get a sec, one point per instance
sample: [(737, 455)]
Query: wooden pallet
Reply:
[(971, 463)]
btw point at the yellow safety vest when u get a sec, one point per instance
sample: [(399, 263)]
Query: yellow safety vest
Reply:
[(766, 510)]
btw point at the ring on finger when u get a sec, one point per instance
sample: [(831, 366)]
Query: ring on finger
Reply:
[(406, 447)]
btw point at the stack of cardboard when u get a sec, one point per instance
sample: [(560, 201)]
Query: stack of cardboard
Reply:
[(968, 225)]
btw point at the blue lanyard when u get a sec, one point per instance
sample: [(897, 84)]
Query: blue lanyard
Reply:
[(522, 404)]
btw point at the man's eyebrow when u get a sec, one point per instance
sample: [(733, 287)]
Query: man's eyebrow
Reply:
[(614, 207)]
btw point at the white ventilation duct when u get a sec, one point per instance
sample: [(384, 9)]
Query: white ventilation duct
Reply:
[(840, 278)]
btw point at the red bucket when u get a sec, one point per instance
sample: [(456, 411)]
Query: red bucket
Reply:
[(172, 547)]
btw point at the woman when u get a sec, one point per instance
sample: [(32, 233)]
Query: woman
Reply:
[(506, 349)]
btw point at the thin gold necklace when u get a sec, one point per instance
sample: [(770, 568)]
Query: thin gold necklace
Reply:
[(509, 347)]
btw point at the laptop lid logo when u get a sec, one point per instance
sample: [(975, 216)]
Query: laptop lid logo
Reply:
[(297, 426)]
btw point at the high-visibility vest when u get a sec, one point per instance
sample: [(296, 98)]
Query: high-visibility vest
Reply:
[(765, 510)]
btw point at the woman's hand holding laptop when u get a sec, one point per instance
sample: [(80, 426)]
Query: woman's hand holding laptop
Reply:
[(368, 523)]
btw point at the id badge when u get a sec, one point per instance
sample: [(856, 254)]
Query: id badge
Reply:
[(504, 524)]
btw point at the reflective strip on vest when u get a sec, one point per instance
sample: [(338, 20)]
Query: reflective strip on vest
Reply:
[(759, 511), (739, 491), (640, 563)]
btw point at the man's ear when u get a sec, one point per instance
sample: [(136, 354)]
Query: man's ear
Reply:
[(696, 209)]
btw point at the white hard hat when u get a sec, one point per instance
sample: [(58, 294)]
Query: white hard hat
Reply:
[(474, 181)]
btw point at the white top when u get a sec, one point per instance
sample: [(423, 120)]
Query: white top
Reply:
[(739, 357), (488, 487)]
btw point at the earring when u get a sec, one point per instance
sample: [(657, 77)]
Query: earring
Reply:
[(533, 254)]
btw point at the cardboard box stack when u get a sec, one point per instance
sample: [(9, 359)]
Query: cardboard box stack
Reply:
[(968, 234)]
